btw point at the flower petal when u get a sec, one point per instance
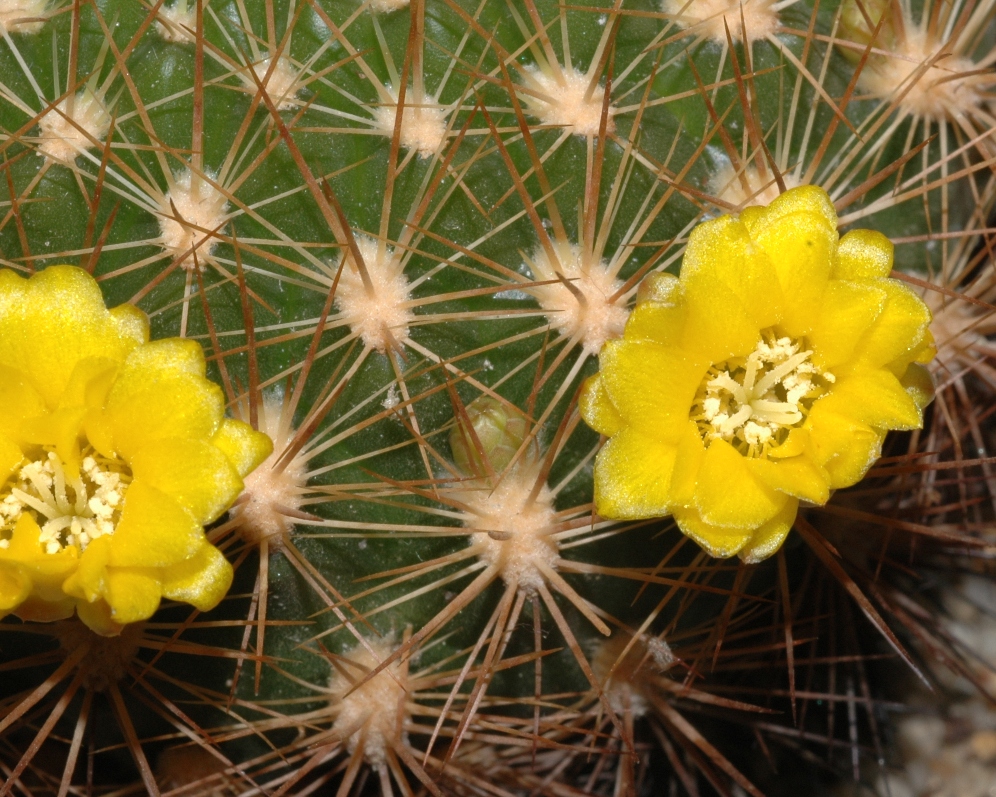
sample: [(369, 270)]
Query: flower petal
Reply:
[(97, 617), (847, 311), (721, 252), (10, 459), (876, 398), (19, 401), (719, 541), (202, 580), (597, 408), (132, 593), (863, 254), (652, 387), (196, 475), (15, 586), (798, 231), (845, 447), (160, 392), (245, 448), (53, 320), (656, 322), (769, 538), (798, 477), (728, 494), (899, 330), (154, 531), (632, 475)]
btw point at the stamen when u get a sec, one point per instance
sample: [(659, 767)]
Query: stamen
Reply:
[(72, 508), (752, 402)]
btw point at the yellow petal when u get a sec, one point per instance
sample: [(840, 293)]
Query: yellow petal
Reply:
[(632, 475), (53, 320), (10, 459), (899, 330), (718, 325), (728, 494), (801, 247), (90, 578), (863, 254), (876, 398), (769, 537), (89, 383), (198, 476), (133, 594), (202, 581), (651, 386), (97, 617), (19, 401), (160, 392), (720, 252), (154, 531), (919, 384), (597, 408), (691, 452), (798, 477), (60, 428), (719, 541), (245, 448), (132, 323), (36, 610), (804, 199), (845, 447), (15, 586), (657, 323), (846, 313)]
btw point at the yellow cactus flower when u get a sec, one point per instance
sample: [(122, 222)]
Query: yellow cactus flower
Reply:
[(114, 454), (767, 374)]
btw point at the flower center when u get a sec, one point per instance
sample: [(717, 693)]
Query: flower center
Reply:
[(71, 508), (752, 402)]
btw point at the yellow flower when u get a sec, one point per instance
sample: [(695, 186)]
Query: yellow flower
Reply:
[(114, 454), (769, 372)]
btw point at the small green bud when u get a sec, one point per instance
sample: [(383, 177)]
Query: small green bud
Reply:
[(500, 429), (858, 20)]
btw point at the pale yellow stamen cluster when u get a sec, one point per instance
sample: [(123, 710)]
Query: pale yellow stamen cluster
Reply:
[(72, 508), (751, 402)]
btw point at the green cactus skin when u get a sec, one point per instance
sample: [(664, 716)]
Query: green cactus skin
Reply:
[(362, 284)]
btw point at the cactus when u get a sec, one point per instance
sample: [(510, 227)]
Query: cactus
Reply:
[(402, 233)]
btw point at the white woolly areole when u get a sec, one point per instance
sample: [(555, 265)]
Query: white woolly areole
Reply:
[(60, 139), (190, 215), (381, 314), (514, 529), (269, 491), (374, 711), (22, 16), (939, 91), (623, 681), (282, 86), (387, 6), (706, 17), (586, 309), (565, 105), (175, 24), (423, 126), (728, 185)]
